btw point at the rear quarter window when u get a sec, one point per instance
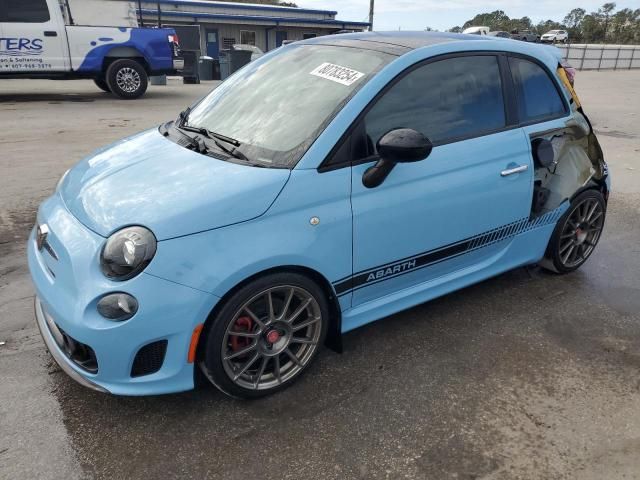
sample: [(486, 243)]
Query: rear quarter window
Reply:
[(537, 96)]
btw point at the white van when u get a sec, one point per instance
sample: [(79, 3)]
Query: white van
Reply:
[(477, 30)]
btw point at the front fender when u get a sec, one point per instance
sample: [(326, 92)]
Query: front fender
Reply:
[(215, 261)]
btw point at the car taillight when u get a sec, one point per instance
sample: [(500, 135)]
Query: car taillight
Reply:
[(571, 73)]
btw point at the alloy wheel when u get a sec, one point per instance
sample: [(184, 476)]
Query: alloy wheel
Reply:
[(128, 79), (581, 232), (272, 337)]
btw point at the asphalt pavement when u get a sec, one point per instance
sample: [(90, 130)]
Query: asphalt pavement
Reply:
[(528, 375)]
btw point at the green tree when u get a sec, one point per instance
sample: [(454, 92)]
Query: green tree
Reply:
[(605, 11), (592, 28), (496, 20), (573, 21), (605, 25)]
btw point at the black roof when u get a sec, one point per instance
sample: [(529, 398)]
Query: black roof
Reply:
[(397, 43)]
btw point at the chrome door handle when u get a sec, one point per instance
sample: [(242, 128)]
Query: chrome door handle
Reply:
[(511, 171)]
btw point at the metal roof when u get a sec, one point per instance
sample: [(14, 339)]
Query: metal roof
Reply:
[(393, 41), (254, 18), (244, 6)]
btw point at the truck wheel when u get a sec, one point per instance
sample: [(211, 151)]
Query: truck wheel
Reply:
[(127, 79), (101, 83)]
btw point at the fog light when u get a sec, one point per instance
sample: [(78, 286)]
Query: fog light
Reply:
[(118, 307)]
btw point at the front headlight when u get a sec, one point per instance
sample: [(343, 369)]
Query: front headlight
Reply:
[(127, 252)]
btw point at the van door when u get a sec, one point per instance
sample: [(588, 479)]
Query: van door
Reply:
[(459, 208), (33, 37)]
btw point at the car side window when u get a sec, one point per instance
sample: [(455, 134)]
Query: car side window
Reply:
[(446, 100), (537, 96), (24, 11)]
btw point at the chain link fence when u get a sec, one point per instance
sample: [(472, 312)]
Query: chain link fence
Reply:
[(601, 57)]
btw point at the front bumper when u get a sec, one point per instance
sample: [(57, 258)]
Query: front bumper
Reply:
[(68, 288), (48, 329)]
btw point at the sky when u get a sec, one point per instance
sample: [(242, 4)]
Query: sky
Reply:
[(444, 14)]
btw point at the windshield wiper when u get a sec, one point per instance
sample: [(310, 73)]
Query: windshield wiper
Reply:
[(234, 152), (184, 116), (196, 143)]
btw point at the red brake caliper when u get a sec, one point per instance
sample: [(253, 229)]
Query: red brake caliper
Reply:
[(243, 324)]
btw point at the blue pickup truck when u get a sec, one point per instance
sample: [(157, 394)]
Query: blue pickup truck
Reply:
[(40, 39)]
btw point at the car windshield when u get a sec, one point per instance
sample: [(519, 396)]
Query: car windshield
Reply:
[(277, 106), (554, 31)]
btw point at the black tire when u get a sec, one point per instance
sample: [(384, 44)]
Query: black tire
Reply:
[(216, 342), (127, 79), (560, 249), (101, 83)]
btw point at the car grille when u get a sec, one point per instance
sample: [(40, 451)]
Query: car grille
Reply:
[(149, 358), (79, 353)]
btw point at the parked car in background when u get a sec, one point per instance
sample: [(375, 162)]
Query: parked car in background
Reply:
[(314, 192), (476, 30), (43, 39), (255, 51), (555, 36), (525, 35), (500, 34)]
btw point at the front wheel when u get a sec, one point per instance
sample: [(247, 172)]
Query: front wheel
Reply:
[(265, 336), (127, 79), (577, 233)]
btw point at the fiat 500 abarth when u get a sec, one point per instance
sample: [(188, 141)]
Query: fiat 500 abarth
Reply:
[(328, 184)]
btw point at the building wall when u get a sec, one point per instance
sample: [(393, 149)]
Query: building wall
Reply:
[(265, 21), (232, 31), (240, 9), (227, 31)]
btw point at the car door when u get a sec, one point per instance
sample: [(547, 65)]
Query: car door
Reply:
[(32, 37), (544, 114), (454, 210)]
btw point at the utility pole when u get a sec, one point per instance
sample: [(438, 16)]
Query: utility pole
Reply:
[(371, 15), (140, 20)]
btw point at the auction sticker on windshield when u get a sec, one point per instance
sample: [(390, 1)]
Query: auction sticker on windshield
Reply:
[(336, 73)]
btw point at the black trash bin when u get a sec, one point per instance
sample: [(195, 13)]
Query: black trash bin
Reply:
[(190, 71), (239, 58), (216, 70), (205, 68)]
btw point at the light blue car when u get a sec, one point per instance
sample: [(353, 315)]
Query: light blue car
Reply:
[(331, 183)]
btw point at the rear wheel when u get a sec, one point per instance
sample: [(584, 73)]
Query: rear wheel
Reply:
[(577, 233), (265, 336), (127, 79), (101, 83)]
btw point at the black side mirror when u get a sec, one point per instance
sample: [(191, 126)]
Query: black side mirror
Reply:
[(401, 145)]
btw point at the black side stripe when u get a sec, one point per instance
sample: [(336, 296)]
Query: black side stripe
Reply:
[(409, 264)]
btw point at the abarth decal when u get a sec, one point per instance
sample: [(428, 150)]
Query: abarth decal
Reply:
[(448, 252)]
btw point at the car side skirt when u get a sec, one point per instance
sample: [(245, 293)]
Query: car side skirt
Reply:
[(522, 244)]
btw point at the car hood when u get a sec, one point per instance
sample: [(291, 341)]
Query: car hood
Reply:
[(151, 181)]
